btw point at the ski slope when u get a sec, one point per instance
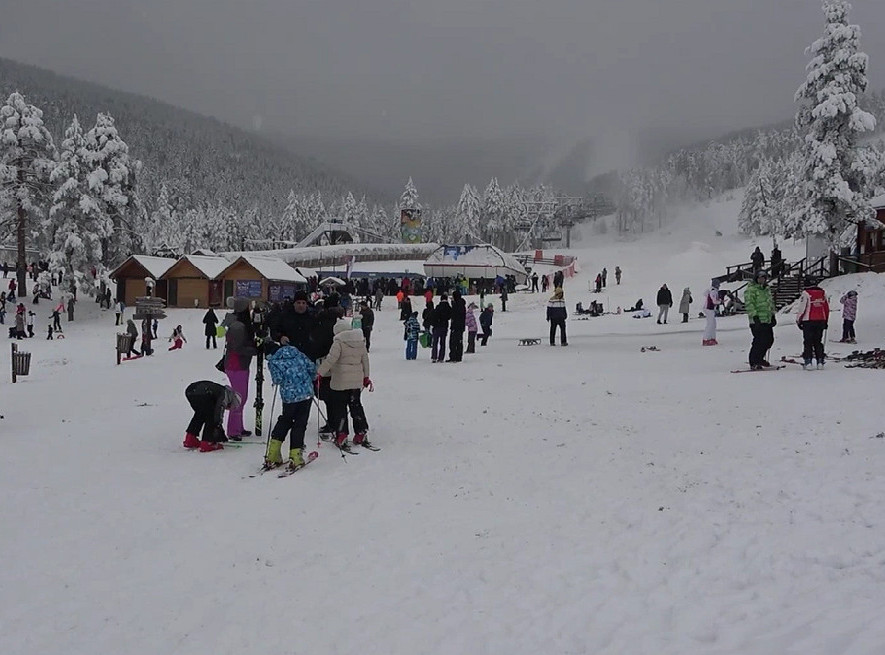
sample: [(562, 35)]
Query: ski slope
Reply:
[(589, 499)]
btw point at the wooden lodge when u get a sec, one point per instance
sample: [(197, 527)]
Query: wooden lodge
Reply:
[(131, 277), (193, 281), (266, 278), (870, 247)]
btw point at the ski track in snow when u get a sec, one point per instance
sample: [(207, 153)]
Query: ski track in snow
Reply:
[(589, 499)]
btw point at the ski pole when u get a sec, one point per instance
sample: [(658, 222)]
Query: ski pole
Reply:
[(272, 404)]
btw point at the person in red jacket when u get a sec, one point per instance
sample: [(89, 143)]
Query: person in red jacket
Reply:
[(812, 315)]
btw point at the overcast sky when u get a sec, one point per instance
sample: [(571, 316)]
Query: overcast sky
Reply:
[(443, 68)]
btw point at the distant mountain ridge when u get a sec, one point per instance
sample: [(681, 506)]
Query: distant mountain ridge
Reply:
[(199, 158)]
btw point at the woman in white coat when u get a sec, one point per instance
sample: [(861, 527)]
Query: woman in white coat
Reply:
[(711, 301), (347, 366)]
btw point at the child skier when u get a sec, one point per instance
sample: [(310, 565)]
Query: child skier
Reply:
[(812, 314), (177, 337), (348, 366), (849, 314), (410, 336), (208, 400), (470, 322), (294, 373), (485, 320)]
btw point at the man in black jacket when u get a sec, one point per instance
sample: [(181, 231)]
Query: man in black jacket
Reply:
[(293, 324), (368, 321), (441, 317), (459, 319), (665, 302)]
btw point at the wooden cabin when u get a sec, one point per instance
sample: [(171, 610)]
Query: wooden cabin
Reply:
[(264, 278), (871, 240), (193, 281), (131, 277)]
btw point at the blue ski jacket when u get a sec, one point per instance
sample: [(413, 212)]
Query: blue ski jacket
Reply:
[(294, 372)]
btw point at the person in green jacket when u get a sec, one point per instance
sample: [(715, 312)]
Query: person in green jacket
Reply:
[(760, 308)]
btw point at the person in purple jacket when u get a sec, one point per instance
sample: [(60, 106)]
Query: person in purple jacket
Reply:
[(849, 314)]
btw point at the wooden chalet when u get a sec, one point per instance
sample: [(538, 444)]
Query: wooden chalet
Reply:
[(871, 241), (131, 276), (193, 281), (264, 278)]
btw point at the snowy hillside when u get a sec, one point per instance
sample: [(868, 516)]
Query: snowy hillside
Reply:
[(590, 499)]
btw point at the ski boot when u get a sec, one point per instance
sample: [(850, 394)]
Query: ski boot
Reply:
[(274, 457), (806, 363), (190, 441), (341, 441), (209, 446), (359, 438), (820, 363), (296, 461)]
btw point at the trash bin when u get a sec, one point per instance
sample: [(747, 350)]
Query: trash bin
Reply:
[(21, 363), (124, 342)]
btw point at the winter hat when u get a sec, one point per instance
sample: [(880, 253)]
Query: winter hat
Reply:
[(342, 326), (852, 293), (472, 306), (760, 273), (299, 295), (716, 282), (238, 305)]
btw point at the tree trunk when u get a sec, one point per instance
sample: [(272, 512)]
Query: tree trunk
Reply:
[(21, 265)]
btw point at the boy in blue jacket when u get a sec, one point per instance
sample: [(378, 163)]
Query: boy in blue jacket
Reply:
[(294, 373), (410, 335)]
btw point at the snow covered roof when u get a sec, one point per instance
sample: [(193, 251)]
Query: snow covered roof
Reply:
[(211, 267), (878, 202), (362, 250), (271, 268), (483, 261), (155, 266)]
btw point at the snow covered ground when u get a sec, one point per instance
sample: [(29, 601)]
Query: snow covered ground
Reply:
[(589, 499)]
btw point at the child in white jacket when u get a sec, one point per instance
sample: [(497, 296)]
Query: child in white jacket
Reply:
[(347, 364)]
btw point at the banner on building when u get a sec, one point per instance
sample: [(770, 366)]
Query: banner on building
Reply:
[(410, 225)]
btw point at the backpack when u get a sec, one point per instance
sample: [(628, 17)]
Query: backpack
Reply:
[(818, 307)]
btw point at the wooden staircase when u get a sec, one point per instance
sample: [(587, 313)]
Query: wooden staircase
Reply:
[(786, 290)]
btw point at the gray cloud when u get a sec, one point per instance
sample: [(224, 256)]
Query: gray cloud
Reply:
[(444, 68)]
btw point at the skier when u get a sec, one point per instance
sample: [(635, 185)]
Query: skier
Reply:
[(849, 314), (367, 322), (321, 337), (759, 305), (665, 302), (685, 304), (238, 353), (618, 274), (556, 315), (485, 321), (440, 322), (812, 315), (347, 366), (210, 320), (470, 323), (456, 335), (410, 336), (293, 372), (711, 301), (133, 332), (208, 400), (178, 338)]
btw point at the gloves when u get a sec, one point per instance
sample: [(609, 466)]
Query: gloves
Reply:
[(367, 382), (756, 320), (773, 320)]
